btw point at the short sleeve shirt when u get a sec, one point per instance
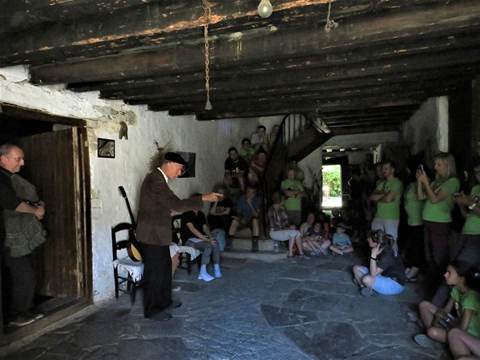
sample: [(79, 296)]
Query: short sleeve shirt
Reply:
[(441, 212), (244, 210), (472, 222), (413, 206), (292, 204), (247, 153), (469, 300), (392, 265), (236, 167), (390, 210), (341, 239), (198, 220)]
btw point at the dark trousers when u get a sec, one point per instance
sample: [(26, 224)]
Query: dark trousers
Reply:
[(157, 277), (20, 281), (436, 237), (415, 254)]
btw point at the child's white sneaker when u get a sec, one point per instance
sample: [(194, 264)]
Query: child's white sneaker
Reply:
[(205, 276)]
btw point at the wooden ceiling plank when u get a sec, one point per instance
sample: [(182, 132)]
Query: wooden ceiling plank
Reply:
[(278, 44)]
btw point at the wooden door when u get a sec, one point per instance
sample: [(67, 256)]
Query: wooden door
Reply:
[(52, 165)]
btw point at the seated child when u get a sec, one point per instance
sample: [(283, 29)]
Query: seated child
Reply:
[(463, 298), (316, 239), (341, 243)]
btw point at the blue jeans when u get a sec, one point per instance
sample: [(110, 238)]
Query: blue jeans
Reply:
[(384, 285)]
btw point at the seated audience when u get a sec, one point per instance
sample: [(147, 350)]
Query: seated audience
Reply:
[(247, 215), (198, 235), (325, 222), (281, 229), (294, 191), (316, 241), (235, 167), (259, 139), (220, 217), (247, 151), (463, 298), (386, 273), (257, 167), (341, 243)]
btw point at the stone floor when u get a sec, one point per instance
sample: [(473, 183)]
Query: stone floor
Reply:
[(258, 310)]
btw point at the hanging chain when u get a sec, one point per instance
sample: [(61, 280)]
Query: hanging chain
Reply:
[(207, 13), (330, 23)]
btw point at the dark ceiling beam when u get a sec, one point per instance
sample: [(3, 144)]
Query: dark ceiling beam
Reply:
[(311, 85), (229, 110), (365, 130), (335, 57), (296, 82), (366, 112), (395, 69), (359, 31), (151, 24)]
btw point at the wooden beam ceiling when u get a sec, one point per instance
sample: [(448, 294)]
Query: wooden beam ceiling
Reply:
[(371, 72)]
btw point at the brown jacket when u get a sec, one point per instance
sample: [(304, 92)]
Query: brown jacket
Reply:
[(154, 224)]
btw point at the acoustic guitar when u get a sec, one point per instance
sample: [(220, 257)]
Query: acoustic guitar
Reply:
[(133, 248)]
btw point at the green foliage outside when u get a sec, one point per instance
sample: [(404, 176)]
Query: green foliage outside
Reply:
[(332, 178)]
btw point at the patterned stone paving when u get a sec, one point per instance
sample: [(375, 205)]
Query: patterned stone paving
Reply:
[(258, 310)]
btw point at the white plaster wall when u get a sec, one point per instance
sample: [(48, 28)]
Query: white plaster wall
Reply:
[(210, 141), (427, 129)]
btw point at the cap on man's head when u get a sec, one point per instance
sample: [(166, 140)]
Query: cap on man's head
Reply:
[(176, 158)]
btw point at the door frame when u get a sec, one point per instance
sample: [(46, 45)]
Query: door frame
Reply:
[(85, 219)]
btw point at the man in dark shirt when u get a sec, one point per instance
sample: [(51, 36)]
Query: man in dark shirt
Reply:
[(235, 167), (21, 279)]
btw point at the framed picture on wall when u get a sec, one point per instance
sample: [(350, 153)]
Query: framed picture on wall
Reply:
[(106, 148), (189, 169)]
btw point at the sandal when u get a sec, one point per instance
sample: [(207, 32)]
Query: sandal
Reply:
[(413, 279), (292, 259)]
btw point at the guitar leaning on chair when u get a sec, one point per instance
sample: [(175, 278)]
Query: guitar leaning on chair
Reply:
[(133, 249)]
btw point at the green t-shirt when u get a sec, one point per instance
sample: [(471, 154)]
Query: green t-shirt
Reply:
[(470, 300), (292, 204), (413, 206), (441, 211), (247, 153), (390, 210), (472, 223)]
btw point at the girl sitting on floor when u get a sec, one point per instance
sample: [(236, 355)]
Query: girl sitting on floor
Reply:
[(466, 301), (386, 273)]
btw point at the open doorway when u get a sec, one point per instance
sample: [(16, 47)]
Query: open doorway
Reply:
[(57, 163), (331, 186)]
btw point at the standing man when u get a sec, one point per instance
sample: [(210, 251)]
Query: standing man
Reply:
[(235, 167), (154, 232), (19, 285), (294, 191), (387, 195)]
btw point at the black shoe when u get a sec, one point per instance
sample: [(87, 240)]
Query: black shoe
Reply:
[(161, 316), (174, 305), (228, 245), (254, 245)]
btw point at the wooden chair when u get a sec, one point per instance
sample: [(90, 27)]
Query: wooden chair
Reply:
[(187, 254), (125, 270)]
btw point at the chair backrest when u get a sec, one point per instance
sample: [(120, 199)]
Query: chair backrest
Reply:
[(120, 243), (177, 229)]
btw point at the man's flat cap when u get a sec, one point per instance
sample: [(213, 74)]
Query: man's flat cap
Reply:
[(176, 158)]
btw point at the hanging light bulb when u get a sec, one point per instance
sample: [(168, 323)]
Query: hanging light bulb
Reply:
[(265, 8)]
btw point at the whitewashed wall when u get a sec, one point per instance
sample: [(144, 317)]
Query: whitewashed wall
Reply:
[(209, 140), (427, 129)]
